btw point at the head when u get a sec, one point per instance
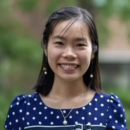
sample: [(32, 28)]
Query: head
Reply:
[(70, 18)]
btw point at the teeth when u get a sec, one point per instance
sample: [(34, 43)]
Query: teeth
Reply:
[(69, 66)]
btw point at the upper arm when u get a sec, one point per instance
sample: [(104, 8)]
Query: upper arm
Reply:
[(13, 119), (116, 115)]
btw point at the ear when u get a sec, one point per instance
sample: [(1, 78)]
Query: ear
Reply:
[(92, 56), (45, 49), (94, 49)]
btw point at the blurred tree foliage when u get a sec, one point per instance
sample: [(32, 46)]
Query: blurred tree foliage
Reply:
[(29, 5), (107, 8), (18, 50), (103, 10)]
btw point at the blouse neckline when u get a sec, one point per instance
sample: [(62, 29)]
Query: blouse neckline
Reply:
[(51, 108)]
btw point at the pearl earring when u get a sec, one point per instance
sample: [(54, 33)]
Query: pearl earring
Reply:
[(45, 71), (91, 75)]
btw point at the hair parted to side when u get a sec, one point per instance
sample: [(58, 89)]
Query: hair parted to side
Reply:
[(45, 82)]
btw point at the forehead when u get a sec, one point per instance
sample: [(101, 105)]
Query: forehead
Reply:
[(71, 29)]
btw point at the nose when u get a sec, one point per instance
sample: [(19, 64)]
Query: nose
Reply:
[(69, 53)]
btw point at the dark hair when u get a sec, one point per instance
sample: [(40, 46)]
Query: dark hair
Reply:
[(45, 82)]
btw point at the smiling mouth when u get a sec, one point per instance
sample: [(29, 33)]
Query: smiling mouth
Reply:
[(69, 67)]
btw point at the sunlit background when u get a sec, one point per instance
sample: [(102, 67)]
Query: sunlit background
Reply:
[(21, 26)]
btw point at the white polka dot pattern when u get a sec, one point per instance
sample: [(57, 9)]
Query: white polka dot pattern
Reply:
[(104, 110), (57, 117)]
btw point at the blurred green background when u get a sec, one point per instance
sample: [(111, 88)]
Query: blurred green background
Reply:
[(21, 26)]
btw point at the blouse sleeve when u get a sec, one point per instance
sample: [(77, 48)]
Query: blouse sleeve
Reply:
[(15, 117), (116, 116)]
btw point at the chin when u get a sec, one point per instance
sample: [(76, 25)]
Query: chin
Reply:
[(70, 78)]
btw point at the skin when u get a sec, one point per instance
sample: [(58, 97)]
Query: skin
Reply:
[(70, 49)]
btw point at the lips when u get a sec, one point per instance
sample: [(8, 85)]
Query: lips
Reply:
[(69, 66)]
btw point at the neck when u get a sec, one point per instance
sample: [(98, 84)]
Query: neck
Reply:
[(67, 89)]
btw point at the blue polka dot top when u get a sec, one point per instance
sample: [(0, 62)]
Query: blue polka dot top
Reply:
[(103, 112)]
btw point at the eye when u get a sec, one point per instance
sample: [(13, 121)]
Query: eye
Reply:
[(80, 45), (59, 43)]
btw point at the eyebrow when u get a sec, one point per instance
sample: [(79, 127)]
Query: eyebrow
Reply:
[(59, 37), (79, 39)]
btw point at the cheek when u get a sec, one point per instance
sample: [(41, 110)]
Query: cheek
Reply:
[(86, 55), (86, 58), (53, 55)]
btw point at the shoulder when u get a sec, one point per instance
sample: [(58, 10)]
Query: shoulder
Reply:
[(109, 98), (112, 102), (22, 100), (16, 113), (115, 112)]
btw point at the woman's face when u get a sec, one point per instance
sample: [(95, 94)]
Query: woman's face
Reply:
[(69, 50)]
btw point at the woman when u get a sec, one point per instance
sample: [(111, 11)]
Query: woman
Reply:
[(68, 91)]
